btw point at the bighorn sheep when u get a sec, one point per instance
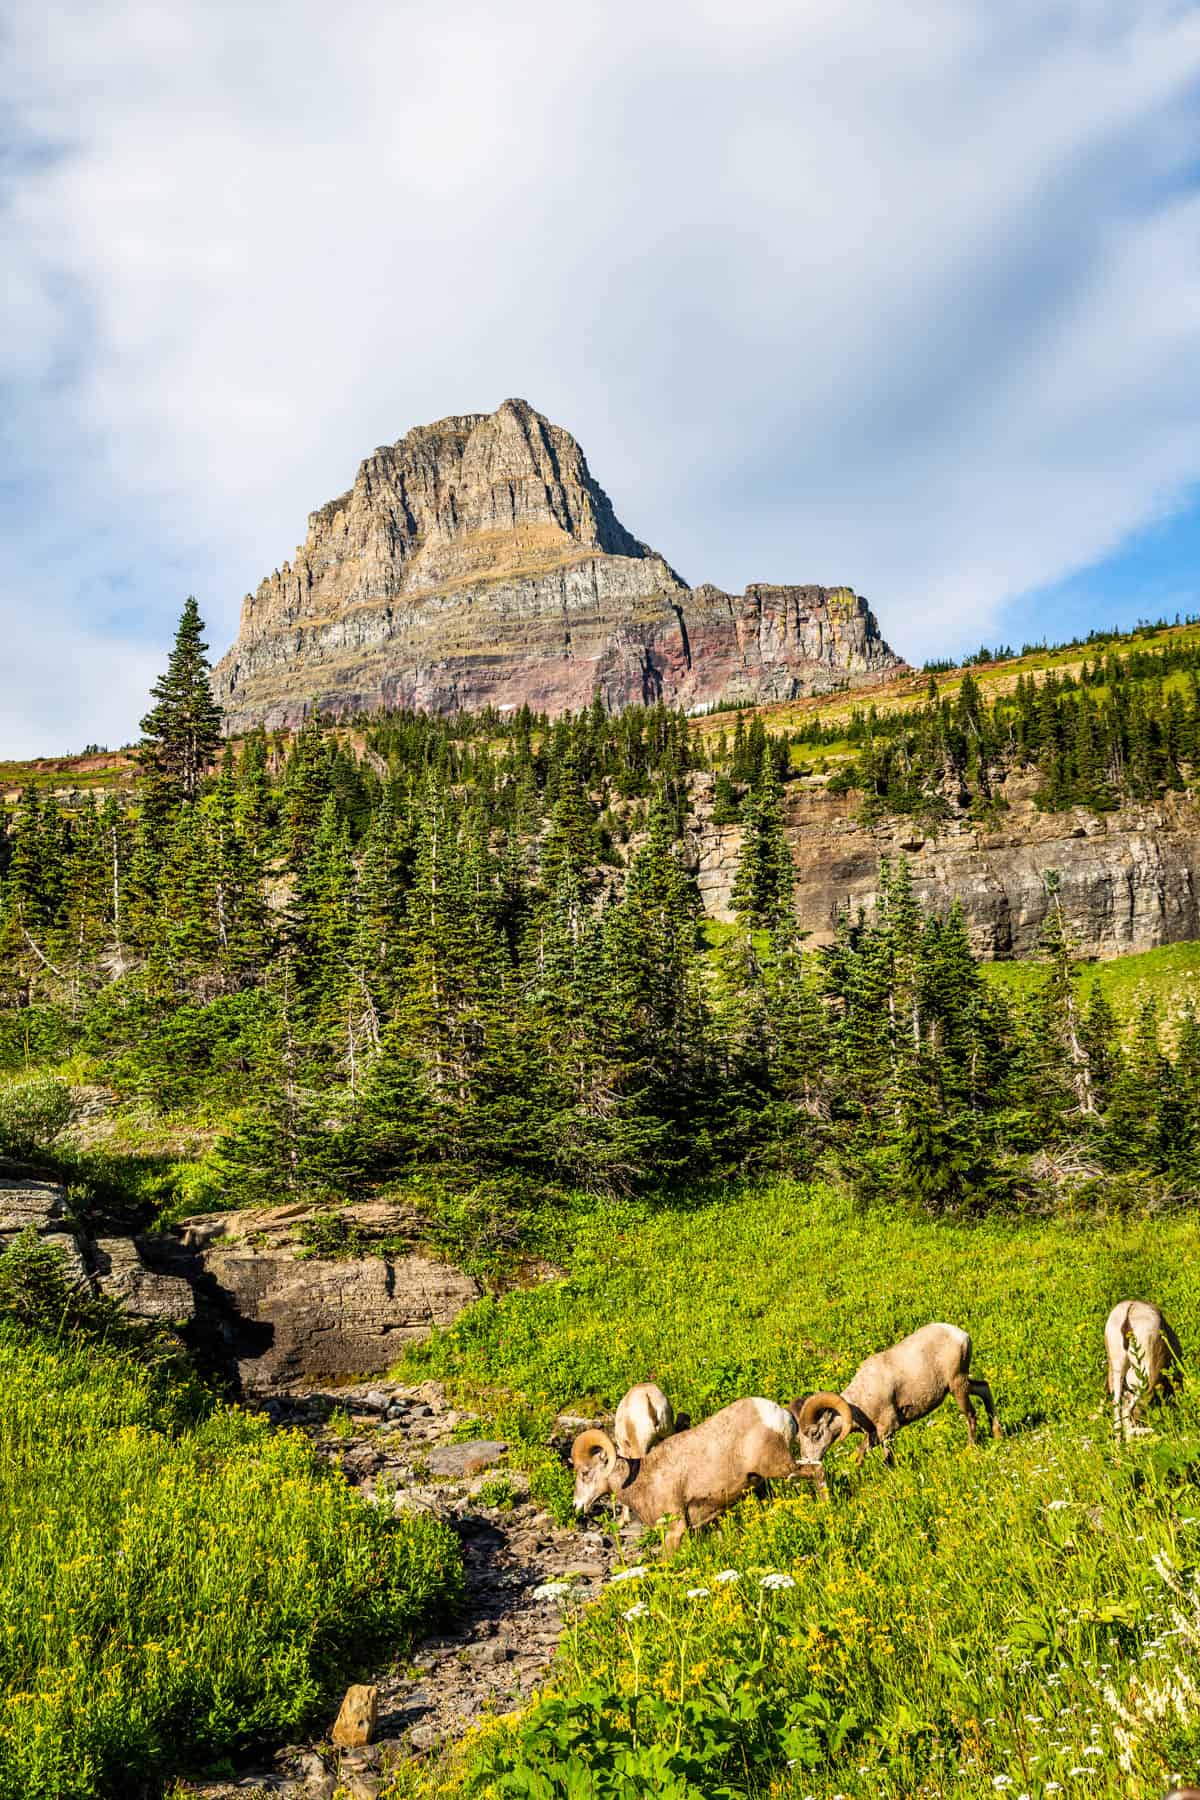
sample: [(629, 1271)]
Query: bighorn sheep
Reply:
[(644, 1418), (1142, 1350), (694, 1475), (893, 1388)]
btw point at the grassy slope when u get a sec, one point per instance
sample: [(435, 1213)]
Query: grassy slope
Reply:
[(174, 1587), (955, 1607), (95, 773), (1170, 976)]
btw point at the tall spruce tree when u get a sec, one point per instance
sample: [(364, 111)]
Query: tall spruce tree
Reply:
[(182, 732), (766, 876)]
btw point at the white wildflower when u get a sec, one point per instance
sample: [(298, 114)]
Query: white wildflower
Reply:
[(552, 1590), (627, 1574), (697, 1593), (1056, 1505), (1002, 1781), (637, 1611), (728, 1575), (1162, 1567), (776, 1581)]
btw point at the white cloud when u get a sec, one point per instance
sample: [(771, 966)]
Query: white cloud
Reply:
[(904, 296)]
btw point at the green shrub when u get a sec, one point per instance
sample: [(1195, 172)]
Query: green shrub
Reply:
[(32, 1111), (35, 1034), (176, 1588)]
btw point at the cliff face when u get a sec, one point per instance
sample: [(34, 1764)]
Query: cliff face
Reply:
[(477, 562), (1130, 880)]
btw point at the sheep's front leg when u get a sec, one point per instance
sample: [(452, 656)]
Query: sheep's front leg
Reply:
[(778, 1464), (675, 1535), (814, 1472), (981, 1391)]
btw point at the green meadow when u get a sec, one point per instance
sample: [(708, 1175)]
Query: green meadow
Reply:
[(1021, 1618), (1169, 977), (178, 1582)]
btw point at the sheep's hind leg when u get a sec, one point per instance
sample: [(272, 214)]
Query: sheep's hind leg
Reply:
[(981, 1391), (960, 1387), (1116, 1383)]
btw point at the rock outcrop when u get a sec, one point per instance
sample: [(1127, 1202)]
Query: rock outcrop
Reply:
[(269, 1295), (1130, 880), (478, 563), (122, 1272), (31, 1201), (285, 1311)]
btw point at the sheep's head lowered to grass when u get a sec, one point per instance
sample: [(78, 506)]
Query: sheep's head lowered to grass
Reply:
[(823, 1420), (598, 1469)]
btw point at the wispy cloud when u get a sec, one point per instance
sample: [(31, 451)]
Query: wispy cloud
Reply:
[(900, 296)]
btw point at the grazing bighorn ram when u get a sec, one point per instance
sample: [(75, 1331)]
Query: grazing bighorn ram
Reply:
[(694, 1475), (644, 1418), (891, 1389), (1142, 1351)]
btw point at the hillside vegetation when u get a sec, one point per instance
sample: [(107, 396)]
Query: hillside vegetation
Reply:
[(1023, 1617), (1168, 979), (178, 1582), (465, 961), (463, 964)]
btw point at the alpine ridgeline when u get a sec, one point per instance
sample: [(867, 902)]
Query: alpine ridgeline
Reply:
[(477, 562)]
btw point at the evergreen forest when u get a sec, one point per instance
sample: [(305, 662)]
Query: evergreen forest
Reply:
[(466, 958)]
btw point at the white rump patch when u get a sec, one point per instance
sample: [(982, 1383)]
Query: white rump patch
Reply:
[(775, 1417)]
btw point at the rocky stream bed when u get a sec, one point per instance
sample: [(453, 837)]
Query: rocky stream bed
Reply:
[(404, 1447), (285, 1326)]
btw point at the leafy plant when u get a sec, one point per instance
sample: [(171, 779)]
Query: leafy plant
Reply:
[(32, 1112)]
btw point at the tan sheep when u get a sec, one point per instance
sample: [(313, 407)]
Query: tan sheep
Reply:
[(1142, 1352), (892, 1389), (694, 1475)]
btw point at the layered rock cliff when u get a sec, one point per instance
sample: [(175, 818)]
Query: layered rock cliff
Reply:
[(1130, 880), (477, 562)]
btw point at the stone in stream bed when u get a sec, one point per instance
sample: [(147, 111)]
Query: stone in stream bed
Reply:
[(461, 1460), (355, 1723)]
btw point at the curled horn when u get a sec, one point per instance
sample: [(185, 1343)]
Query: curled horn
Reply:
[(586, 1445), (805, 1412)]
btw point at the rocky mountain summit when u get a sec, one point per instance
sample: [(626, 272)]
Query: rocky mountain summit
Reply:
[(478, 562)]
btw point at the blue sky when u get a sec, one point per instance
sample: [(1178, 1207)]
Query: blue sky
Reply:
[(906, 297)]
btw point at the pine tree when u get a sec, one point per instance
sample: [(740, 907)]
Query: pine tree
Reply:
[(765, 881), (725, 809), (182, 731), (1059, 1003), (653, 1026)]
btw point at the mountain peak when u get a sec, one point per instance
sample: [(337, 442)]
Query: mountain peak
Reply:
[(477, 561)]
